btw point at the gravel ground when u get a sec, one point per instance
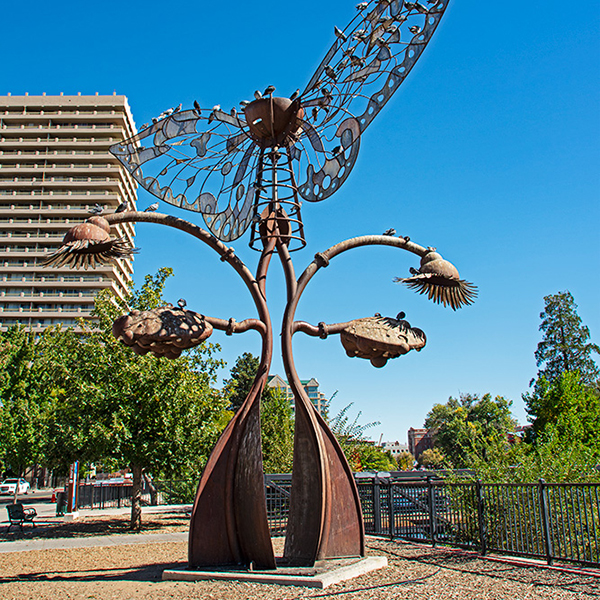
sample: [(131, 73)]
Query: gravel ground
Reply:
[(134, 572)]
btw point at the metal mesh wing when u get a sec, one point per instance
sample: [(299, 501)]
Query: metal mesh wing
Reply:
[(367, 63), (180, 156)]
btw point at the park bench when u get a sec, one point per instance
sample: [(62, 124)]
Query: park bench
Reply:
[(18, 515)]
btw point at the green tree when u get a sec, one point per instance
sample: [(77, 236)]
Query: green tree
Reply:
[(433, 458), (277, 433), (154, 415), (565, 345), (361, 454), (237, 387), (406, 461), (277, 417), (553, 457), (470, 427), (570, 406), (23, 404), (368, 457)]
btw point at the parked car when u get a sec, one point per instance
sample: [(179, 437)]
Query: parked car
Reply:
[(7, 487)]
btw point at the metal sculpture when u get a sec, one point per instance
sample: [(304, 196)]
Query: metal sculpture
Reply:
[(241, 170), (222, 164), (165, 331)]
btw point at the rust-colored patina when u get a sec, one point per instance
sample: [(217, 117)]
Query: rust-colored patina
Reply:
[(164, 331), (274, 121), (439, 279), (381, 338), (88, 244), (250, 160)]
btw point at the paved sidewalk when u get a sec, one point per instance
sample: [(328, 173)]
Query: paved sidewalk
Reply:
[(47, 516), (92, 541)]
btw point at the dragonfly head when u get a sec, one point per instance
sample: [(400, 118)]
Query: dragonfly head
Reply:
[(273, 121)]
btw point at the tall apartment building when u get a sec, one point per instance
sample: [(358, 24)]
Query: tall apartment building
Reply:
[(311, 387), (54, 166)]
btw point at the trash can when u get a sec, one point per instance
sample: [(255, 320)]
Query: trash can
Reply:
[(61, 504)]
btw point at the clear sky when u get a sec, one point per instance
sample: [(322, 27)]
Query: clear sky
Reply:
[(489, 151)]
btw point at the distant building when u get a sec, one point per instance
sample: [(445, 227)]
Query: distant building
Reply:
[(419, 440), (311, 386), (395, 448), (516, 436), (55, 166)]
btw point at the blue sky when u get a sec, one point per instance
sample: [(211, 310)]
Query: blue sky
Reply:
[(488, 151)]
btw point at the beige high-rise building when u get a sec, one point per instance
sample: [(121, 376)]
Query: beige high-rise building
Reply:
[(55, 166)]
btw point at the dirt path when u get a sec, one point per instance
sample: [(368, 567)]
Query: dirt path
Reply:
[(134, 572)]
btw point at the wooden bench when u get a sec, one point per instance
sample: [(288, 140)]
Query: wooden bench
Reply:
[(18, 515)]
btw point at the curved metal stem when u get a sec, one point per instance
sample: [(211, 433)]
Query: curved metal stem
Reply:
[(227, 254), (229, 520), (232, 326), (325, 518)]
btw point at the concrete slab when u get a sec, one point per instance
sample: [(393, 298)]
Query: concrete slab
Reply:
[(322, 575)]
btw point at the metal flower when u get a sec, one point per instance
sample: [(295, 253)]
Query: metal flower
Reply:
[(381, 338), (229, 165), (440, 280), (87, 245), (164, 331)]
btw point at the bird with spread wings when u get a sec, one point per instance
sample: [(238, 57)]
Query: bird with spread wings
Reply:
[(216, 162)]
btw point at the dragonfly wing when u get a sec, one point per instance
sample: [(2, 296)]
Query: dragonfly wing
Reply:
[(202, 163), (366, 64)]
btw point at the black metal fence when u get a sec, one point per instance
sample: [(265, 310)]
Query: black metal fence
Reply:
[(109, 494), (552, 521)]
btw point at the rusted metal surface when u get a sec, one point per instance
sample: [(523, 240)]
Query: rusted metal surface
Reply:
[(379, 339), (439, 279), (325, 518), (164, 331), (249, 170), (213, 161), (88, 244), (229, 519)]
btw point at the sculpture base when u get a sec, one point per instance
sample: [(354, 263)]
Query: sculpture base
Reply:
[(322, 575)]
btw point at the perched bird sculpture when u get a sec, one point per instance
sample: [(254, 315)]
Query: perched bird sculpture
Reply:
[(439, 279)]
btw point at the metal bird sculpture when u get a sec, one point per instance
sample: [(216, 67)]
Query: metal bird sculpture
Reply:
[(228, 166), (439, 279)]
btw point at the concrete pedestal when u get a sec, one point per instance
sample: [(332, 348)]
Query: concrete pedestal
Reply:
[(322, 575)]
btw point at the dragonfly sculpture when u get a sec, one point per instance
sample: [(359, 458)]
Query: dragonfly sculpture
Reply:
[(228, 165), (250, 169)]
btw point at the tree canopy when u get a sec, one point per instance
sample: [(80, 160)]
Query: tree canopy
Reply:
[(470, 426), (360, 453), (23, 400), (97, 401), (565, 346)]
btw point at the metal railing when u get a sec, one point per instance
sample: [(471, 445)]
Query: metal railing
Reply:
[(550, 521)]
